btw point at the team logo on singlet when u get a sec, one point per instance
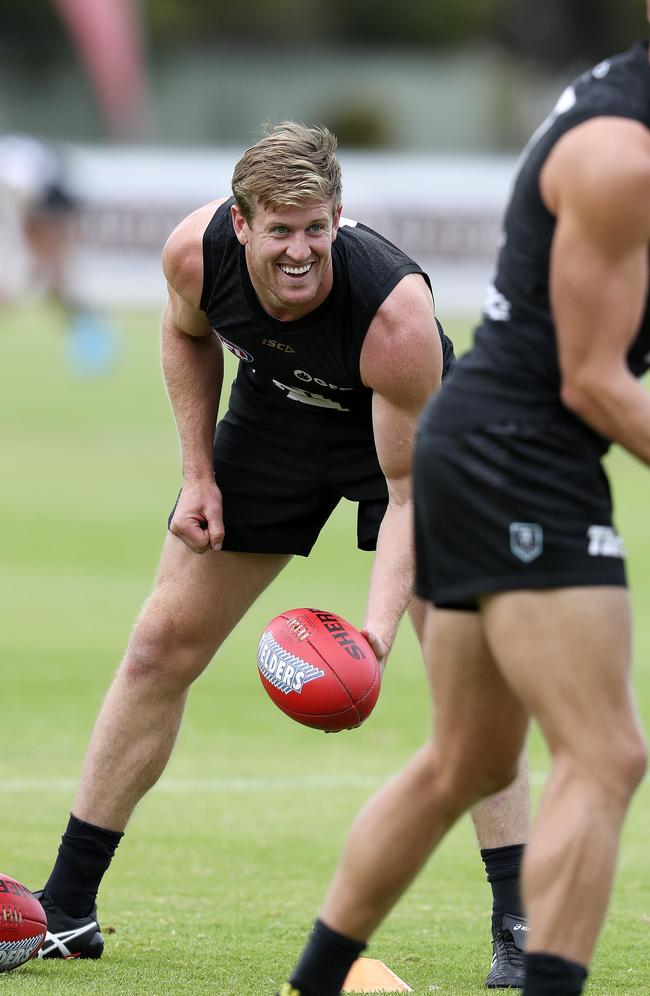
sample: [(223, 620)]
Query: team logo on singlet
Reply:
[(526, 540), (237, 351), (313, 397), (601, 70), (604, 541), (496, 305)]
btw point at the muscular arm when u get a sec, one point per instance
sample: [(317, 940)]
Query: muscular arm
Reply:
[(192, 363), (401, 361), (597, 184)]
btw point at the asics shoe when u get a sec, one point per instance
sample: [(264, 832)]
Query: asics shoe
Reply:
[(69, 936), (508, 950)]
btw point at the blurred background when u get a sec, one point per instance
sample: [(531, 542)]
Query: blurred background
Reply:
[(445, 75), (148, 103), (118, 117)]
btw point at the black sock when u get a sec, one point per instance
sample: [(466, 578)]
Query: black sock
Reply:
[(549, 975), (84, 855), (503, 867), (325, 961)]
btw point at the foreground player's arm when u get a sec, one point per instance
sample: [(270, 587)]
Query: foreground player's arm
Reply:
[(401, 361), (597, 184), (192, 360)]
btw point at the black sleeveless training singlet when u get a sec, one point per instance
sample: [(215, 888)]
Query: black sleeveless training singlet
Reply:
[(310, 365), (512, 370)]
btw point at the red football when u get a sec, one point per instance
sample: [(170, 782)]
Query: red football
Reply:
[(22, 924), (318, 669)]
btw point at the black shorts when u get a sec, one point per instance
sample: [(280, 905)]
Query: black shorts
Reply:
[(282, 474), (511, 506)]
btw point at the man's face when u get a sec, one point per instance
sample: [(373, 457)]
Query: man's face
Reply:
[(289, 253)]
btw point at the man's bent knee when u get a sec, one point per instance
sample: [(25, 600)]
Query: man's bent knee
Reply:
[(468, 780), (488, 777), (624, 765), (631, 763), (158, 652), (615, 775)]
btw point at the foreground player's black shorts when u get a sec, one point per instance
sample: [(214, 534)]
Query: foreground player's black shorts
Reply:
[(511, 506), (282, 474)]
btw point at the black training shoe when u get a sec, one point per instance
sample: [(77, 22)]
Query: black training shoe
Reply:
[(69, 936), (508, 948)]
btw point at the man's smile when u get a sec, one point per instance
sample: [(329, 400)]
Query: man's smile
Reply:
[(295, 271)]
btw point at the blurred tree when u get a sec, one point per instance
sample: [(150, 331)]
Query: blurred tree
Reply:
[(359, 126), (32, 34), (442, 23), (565, 31), (556, 31)]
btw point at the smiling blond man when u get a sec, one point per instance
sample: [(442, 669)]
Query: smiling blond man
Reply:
[(338, 349)]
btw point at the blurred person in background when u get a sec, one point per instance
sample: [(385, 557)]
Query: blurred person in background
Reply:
[(517, 553), (37, 215), (339, 349)]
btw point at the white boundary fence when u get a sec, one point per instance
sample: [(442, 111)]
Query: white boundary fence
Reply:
[(444, 211)]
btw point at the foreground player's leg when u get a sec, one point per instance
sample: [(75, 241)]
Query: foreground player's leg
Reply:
[(196, 602), (480, 729), (566, 654), (502, 824)]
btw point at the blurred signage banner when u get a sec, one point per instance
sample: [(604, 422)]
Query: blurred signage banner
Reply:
[(445, 212)]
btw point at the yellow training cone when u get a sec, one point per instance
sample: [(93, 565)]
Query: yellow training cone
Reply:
[(368, 975)]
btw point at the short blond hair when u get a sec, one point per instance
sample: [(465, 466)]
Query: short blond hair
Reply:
[(291, 165)]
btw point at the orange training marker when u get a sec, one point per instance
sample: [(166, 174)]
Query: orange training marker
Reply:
[(368, 975)]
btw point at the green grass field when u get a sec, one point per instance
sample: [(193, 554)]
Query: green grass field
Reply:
[(226, 861)]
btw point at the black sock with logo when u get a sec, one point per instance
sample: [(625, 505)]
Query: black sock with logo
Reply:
[(503, 868), (550, 975), (84, 855), (325, 961)]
